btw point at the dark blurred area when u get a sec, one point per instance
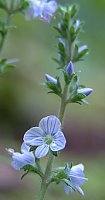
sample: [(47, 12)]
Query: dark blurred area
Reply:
[(24, 101)]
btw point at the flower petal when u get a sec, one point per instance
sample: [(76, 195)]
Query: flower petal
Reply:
[(24, 148), (67, 189), (48, 8), (42, 150), (50, 125), (34, 136), (59, 142), (77, 175), (20, 160)]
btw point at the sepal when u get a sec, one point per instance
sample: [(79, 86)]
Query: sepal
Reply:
[(6, 64), (79, 53), (68, 78), (55, 88), (30, 169)]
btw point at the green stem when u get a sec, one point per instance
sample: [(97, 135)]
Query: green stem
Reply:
[(4, 35), (2, 42), (63, 103), (48, 170), (44, 183)]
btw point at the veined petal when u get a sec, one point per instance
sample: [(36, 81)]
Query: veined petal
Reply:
[(50, 125), (59, 142), (24, 148), (20, 160), (34, 136), (67, 189), (41, 151), (76, 175)]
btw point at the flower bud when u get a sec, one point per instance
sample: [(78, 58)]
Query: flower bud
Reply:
[(76, 25), (82, 48), (70, 68), (50, 79), (85, 91)]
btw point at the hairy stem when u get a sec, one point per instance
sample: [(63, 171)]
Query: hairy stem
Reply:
[(44, 183)]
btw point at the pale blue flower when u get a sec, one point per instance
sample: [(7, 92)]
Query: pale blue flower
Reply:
[(48, 136), (42, 9), (70, 68), (51, 79), (23, 158), (77, 178), (84, 91)]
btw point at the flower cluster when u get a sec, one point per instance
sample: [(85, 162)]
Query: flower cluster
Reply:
[(42, 9), (76, 92)]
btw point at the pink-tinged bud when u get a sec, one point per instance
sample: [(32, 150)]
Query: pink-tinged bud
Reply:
[(50, 79), (70, 68), (85, 91)]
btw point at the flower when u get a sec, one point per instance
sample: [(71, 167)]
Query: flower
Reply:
[(48, 136), (70, 68), (41, 8), (77, 178), (51, 79), (23, 158), (84, 91)]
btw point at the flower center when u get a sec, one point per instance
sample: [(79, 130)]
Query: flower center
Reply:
[(48, 139)]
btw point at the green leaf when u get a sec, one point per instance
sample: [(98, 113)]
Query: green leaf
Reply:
[(68, 78), (77, 98), (72, 33), (31, 169), (83, 53), (55, 88), (74, 10), (77, 56)]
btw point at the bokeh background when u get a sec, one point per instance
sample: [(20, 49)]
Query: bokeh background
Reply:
[(24, 101)]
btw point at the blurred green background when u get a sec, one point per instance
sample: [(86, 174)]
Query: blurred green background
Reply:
[(24, 101)]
